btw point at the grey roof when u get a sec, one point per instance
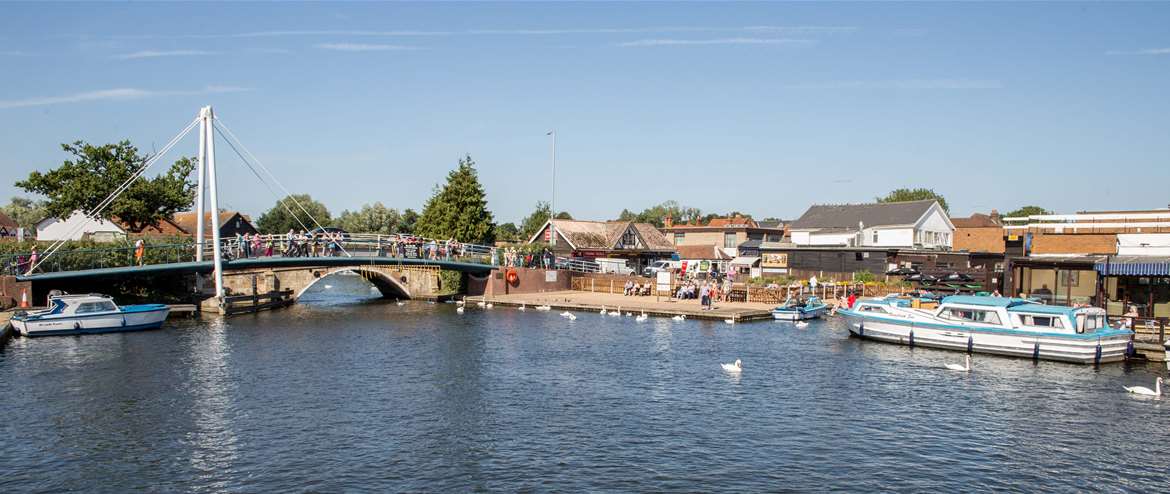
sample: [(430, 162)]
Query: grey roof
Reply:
[(846, 216), (771, 224)]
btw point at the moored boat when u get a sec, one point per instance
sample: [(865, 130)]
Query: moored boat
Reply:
[(89, 313), (1003, 326), (792, 310)]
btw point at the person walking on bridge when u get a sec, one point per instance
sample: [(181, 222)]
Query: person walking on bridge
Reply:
[(139, 251)]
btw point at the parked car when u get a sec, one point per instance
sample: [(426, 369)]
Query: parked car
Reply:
[(656, 267)]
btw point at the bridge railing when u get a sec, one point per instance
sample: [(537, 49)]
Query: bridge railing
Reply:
[(345, 245)]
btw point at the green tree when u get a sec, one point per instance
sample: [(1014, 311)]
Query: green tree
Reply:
[(25, 212), (407, 221), (919, 194), (508, 232), (1026, 211), (279, 220), (535, 220), (459, 209), (94, 172), (656, 215), (371, 218)]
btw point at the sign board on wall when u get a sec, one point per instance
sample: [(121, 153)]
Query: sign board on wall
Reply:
[(550, 276), (774, 260)]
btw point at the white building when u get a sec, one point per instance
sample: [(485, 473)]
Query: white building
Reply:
[(77, 227), (912, 224)]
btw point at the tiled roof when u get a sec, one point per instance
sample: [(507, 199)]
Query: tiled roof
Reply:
[(977, 220), (7, 222), (701, 252), (598, 235), (847, 216)]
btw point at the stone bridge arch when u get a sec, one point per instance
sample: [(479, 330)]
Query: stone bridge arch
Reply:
[(388, 284), (392, 281)]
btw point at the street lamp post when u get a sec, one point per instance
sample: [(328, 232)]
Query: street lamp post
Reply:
[(552, 215)]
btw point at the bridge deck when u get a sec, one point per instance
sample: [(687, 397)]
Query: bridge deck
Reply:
[(263, 262)]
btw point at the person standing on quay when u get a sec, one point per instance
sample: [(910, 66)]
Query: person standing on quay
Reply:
[(705, 296), (139, 251)]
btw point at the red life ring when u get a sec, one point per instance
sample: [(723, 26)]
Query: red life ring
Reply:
[(512, 277)]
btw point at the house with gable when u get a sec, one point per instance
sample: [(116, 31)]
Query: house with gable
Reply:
[(638, 243)]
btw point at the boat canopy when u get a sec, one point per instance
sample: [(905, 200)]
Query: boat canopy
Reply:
[(985, 301)]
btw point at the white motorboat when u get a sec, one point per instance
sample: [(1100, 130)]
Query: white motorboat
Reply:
[(90, 313), (1004, 326)]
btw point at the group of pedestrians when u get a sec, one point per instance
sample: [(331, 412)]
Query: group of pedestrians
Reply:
[(412, 247), (303, 244), (513, 258)]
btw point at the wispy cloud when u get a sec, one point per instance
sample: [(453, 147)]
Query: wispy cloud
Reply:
[(1146, 51), (717, 41), (113, 95), (902, 84), (807, 30), (162, 53), (362, 47)]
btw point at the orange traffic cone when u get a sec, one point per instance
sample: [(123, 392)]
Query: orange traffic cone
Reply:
[(24, 298)]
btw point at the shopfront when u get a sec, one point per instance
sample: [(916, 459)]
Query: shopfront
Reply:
[(1060, 281), (1141, 283)]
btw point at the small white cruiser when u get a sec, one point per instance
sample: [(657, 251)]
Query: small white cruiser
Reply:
[(1004, 326), (90, 313), (793, 310)]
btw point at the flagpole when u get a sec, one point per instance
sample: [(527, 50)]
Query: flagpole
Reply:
[(553, 205)]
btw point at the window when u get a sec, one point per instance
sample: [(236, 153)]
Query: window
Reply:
[(971, 315), (875, 241), (1090, 323), (629, 239), (92, 307), (872, 308), (1039, 321), (729, 241), (679, 238), (773, 238)]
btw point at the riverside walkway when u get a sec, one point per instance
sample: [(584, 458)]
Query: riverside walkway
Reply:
[(664, 307)]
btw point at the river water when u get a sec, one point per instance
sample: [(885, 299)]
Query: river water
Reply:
[(341, 394)]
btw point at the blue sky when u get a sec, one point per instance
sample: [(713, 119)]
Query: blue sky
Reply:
[(761, 107)]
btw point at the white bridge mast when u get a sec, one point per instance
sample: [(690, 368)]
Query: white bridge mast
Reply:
[(207, 162)]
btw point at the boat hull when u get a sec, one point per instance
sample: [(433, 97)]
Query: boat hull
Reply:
[(1080, 349), (129, 318)]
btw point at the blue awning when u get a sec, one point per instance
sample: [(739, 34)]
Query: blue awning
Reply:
[(1134, 266)]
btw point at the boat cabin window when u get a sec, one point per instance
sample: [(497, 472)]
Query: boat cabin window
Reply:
[(971, 315), (90, 307), (872, 308), (1090, 322), (1040, 321)]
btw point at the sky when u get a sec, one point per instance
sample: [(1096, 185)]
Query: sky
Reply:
[(764, 108)]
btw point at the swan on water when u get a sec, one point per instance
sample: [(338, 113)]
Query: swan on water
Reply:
[(521, 308), (729, 321), (801, 324), (328, 287), (481, 303), (1142, 390), (642, 317), (566, 314), (399, 302), (734, 368), (488, 306), (543, 307), (615, 313), (459, 310), (679, 317), (961, 368), (460, 302), (602, 310), (572, 317)]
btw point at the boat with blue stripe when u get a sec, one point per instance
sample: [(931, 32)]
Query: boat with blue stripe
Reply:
[(89, 313), (795, 310), (997, 325)]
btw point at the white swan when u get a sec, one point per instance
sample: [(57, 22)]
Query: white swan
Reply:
[(460, 302), (729, 321), (801, 324), (328, 287), (615, 313), (572, 317), (1142, 390), (961, 368), (543, 307), (488, 306), (679, 317), (734, 368), (566, 314), (521, 308), (642, 317), (459, 310), (602, 310), (399, 302)]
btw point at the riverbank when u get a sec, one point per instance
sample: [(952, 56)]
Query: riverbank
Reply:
[(657, 307)]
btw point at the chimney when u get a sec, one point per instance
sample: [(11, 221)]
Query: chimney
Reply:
[(668, 221)]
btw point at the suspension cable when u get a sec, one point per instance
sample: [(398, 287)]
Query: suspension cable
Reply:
[(56, 245), (279, 200), (276, 180)]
